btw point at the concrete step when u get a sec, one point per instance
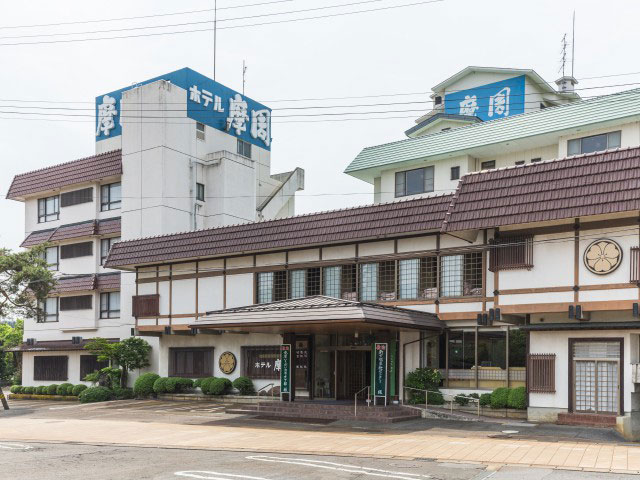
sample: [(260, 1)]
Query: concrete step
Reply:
[(586, 419)]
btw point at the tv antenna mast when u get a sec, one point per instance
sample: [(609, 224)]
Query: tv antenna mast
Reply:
[(244, 75), (215, 32), (573, 42), (563, 53)]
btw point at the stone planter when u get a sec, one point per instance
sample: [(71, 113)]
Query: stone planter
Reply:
[(24, 396)]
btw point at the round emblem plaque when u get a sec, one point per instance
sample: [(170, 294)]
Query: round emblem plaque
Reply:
[(602, 256), (227, 363)]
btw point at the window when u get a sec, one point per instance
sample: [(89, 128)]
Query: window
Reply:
[(244, 148), (340, 282), (520, 162), (145, 305), (90, 364), (49, 310), (378, 281), (437, 100), (594, 143), (413, 182), (75, 250), (110, 196), (259, 363), (50, 255), (417, 278), (511, 253), (200, 131), (48, 209), (535, 160), (110, 305), (191, 362), (461, 275), (52, 368), (634, 276), (455, 173), (80, 302), (304, 283), (488, 165), (76, 197), (541, 370), (272, 286), (200, 192), (105, 246)]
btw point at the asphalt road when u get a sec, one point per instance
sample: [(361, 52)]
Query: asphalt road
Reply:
[(44, 461)]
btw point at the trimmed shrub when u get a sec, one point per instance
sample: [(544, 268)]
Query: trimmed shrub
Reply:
[(184, 384), (499, 398), (244, 385), (474, 395), (197, 382), (485, 399), (78, 389), (64, 389), (462, 400), (205, 383), (95, 394), (517, 398), (29, 390), (435, 398), (52, 389), (160, 385), (15, 389), (143, 387), (41, 390), (122, 393), (220, 386)]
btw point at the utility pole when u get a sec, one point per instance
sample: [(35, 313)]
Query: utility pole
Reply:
[(215, 32), (5, 404), (244, 72)]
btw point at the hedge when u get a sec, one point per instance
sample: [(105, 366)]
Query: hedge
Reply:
[(143, 387), (244, 385), (205, 383), (95, 394), (485, 399), (122, 393), (41, 390), (29, 390), (52, 389), (517, 398), (499, 398), (220, 386), (78, 389), (16, 389), (64, 389), (160, 385)]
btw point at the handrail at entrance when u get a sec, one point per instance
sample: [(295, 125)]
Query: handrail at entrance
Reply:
[(272, 385), (355, 399), (451, 398)]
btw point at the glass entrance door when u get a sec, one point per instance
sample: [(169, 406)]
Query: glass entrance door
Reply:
[(353, 373), (596, 369)]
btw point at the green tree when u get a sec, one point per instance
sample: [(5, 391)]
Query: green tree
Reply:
[(25, 281), (10, 336), (129, 354)]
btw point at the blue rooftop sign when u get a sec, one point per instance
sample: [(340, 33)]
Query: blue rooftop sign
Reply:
[(488, 102), (208, 102)]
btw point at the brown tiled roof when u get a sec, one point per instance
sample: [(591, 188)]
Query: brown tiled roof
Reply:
[(55, 345), (368, 222), (77, 171), (108, 281), (85, 283), (107, 226), (76, 283), (593, 184)]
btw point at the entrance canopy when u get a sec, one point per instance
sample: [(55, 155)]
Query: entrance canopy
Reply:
[(317, 314)]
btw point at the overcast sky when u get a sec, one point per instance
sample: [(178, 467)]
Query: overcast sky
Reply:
[(403, 50)]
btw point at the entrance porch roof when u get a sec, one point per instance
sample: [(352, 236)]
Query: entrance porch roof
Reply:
[(317, 314)]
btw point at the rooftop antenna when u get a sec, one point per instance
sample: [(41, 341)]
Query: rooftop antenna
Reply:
[(573, 42), (563, 53), (215, 31), (244, 72)]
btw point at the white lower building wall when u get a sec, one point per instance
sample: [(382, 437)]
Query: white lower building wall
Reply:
[(227, 342), (546, 406), (73, 368)]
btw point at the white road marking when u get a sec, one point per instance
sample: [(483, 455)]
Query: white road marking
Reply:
[(206, 475), (14, 446), (374, 472)]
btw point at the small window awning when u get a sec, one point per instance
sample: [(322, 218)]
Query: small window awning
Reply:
[(317, 314)]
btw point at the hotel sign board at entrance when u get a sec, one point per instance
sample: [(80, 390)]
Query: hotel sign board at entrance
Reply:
[(285, 369), (380, 375)]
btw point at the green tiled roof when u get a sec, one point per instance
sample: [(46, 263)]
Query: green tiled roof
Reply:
[(554, 119)]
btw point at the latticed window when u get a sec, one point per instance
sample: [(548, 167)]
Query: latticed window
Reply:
[(304, 282), (511, 253), (417, 278), (461, 275), (635, 265), (541, 373), (272, 286), (378, 281), (340, 282)]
